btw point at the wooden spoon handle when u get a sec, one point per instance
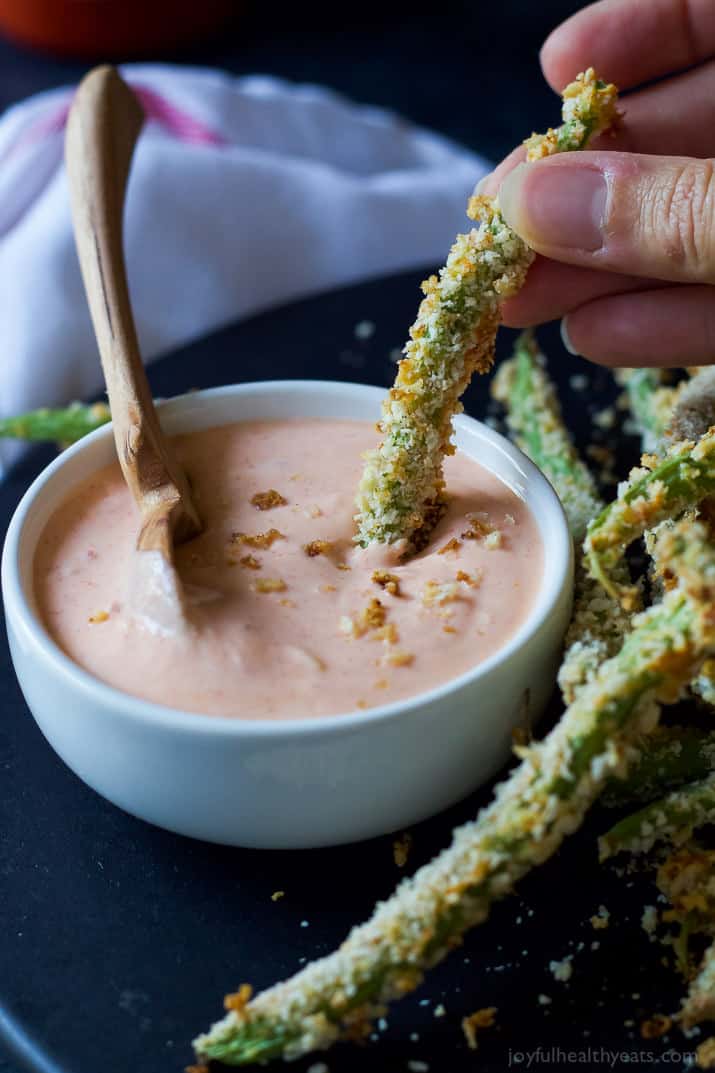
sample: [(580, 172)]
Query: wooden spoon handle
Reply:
[(102, 130)]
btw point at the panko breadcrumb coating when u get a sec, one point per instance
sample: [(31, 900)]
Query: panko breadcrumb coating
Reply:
[(651, 403), (671, 819), (667, 758), (694, 408), (660, 490), (402, 493), (533, 414), (687, 879), (699, 1003), (541, 803), (668, 416)]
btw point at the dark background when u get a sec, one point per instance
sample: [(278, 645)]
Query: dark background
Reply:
[(469, 70)]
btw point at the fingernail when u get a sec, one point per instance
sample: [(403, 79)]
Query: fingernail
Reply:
[(482, 184), (553, 205), (566, 340)]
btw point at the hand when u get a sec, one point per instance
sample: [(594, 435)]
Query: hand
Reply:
[(626, 231)]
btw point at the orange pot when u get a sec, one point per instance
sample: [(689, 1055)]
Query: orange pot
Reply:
[(112, 28)]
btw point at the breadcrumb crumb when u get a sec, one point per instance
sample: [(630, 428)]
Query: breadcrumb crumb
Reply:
[(656, 1026), (401, 849), (389, 582), (238, 999), (562, 970), (318, 547), (249, 562), (705, 1054), (268, 500), (601, 919), (483, 1018), (269, 584), (258, 540)]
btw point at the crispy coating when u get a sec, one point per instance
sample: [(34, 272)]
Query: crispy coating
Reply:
[(533, 414), (590, 107), (694, 408), (661, 490), (542, 802), (699, 1004), (673, 818), (651, 403), (667, 758), (402, 492)]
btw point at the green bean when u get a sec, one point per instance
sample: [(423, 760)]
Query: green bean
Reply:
[(672, 818), (534, 418), (679, 481), (651, 404), (58, 426), (669, 757), (687, 879), (542, 802), (402, 491)]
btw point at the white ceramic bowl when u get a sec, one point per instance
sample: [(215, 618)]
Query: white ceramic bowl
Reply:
[(286, 783)]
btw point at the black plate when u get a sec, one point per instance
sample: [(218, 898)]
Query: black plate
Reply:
[(119, 940)]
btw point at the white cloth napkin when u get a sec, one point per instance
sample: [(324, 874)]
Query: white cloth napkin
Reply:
[(244, 193)]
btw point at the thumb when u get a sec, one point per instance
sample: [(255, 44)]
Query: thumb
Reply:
[(638, 215)]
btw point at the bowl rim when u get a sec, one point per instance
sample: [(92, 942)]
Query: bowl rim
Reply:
[(18, 607)]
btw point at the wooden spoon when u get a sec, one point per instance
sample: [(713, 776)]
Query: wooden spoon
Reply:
[(103, 126)]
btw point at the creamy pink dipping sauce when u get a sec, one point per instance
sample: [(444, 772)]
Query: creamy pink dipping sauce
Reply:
[(307, 647)]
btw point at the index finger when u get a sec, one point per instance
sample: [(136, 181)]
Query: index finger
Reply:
[(630, 42)]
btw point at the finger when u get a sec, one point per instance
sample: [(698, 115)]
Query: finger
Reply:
[(623, 212), (674, 118), (552, 290), (489, 185), (670, 327), (630, 42)]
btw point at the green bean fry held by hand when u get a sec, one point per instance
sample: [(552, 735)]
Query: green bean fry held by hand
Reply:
[(542, 802), (63, 426), (401, 492)]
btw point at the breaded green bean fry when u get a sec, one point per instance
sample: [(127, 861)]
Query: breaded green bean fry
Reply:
[(669, 757), (681, 480), (699, 1004), (687, 879), (673, 818), (694, 409), (541, 803), (401, 492), (651, 404), (58, 426), (533, 414)]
